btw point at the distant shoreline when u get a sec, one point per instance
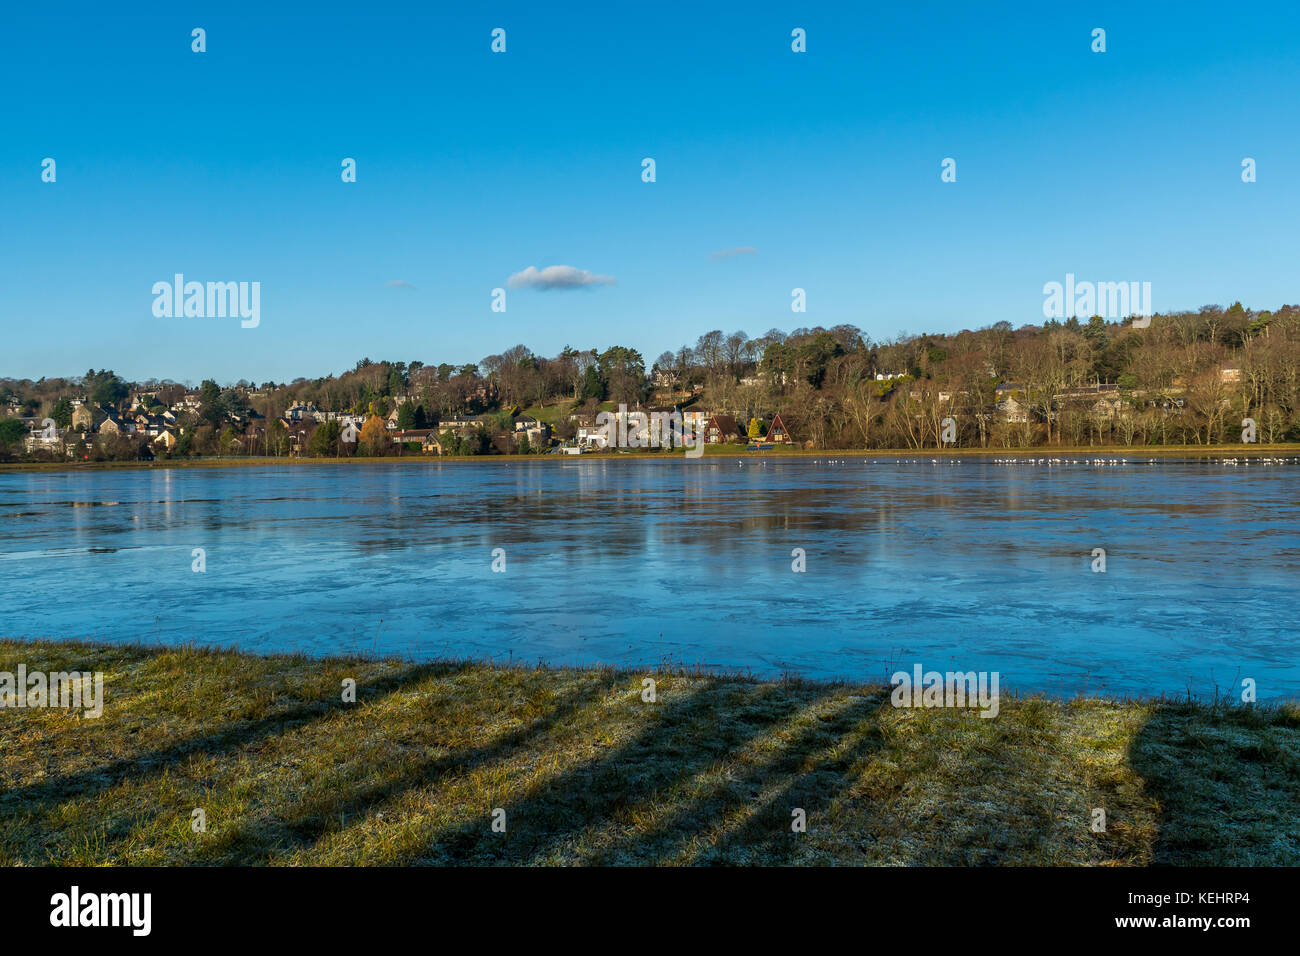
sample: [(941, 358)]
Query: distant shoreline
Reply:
[(1132, 454)]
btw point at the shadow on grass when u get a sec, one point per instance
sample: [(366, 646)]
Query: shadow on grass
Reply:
[(1226, 781), (88, 782), (709, 774), (737, 821), (292, 830), (682, 734), (677, 770)]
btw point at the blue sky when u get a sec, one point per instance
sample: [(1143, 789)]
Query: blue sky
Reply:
[(473, 166)]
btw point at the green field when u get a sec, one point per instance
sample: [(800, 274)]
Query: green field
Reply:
[(588, 772)]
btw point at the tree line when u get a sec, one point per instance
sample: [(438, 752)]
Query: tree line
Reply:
[(1186, 378)]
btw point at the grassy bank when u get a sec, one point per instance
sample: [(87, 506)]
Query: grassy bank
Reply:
[(587, 772), (1132, 453)]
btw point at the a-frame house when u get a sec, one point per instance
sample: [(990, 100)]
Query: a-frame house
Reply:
[(778, 433)]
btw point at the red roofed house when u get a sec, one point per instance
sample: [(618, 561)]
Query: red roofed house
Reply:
[(721, 428), (778, 432)]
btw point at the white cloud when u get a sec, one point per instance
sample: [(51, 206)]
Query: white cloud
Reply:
[(556, 277), (399, 284), (738, 251)]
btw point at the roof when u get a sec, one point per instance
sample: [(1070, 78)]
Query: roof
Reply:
[(777, 420), (1101, 389)]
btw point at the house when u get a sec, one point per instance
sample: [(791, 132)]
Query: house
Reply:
[(721, 428), (83, 418), (589, 436), (1229, 373), (41, 436), (1012, 412), (142, 401), (1102, 399), (645, 426), (113, 424), (151, 425), (167, 440), (777, 432), (300, 411), (427, 437), (538, 434), (462, 423)]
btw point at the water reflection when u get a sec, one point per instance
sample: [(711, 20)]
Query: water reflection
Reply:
[(973, 565)]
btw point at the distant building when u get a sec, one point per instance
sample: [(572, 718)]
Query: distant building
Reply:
[(300, 411), (1102, 399), (113, 424), (720, 429), (427, 437), (778, 433), (538, 434), (1012, 412), (83, 418), (49, 439), (462, 424)]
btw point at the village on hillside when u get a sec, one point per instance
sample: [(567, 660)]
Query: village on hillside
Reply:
[(143, 428)]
